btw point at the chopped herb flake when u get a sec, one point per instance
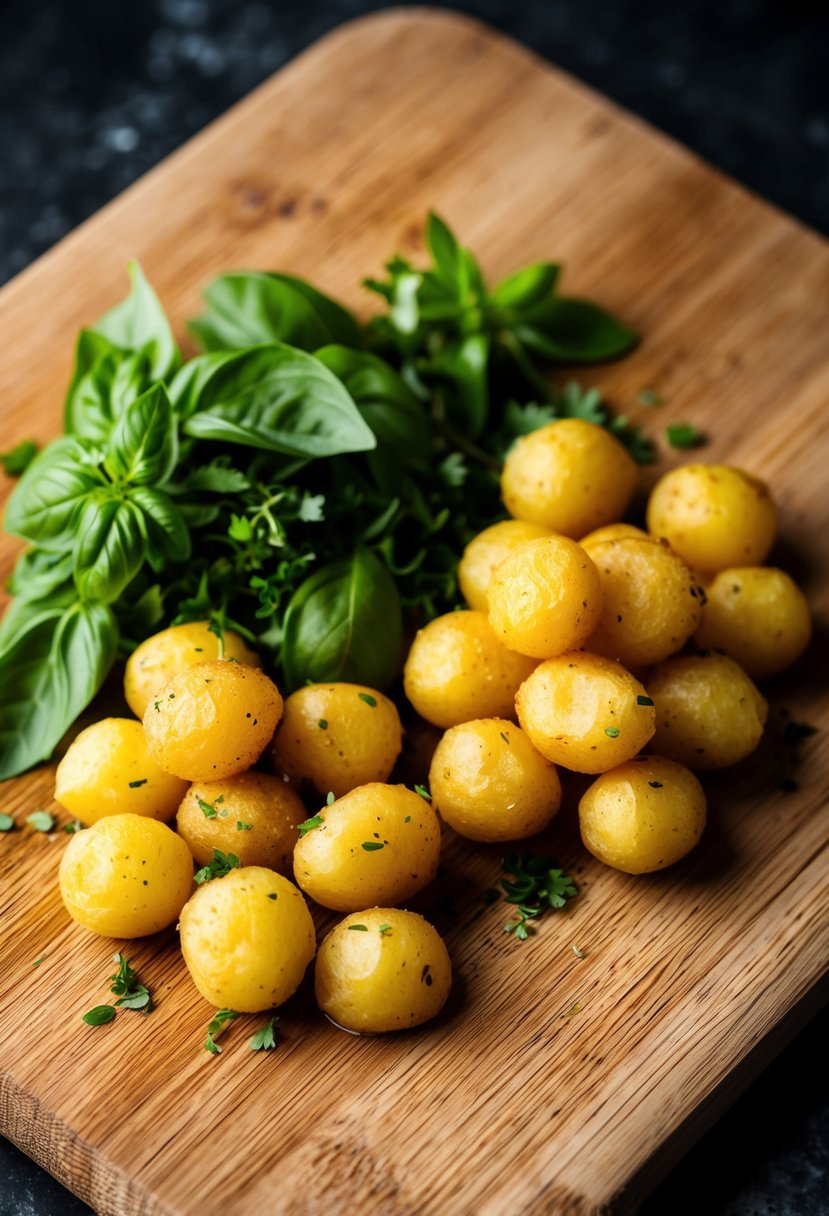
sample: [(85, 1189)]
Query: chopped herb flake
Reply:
[(656, 785), (612, 731), (330, 798), (323, 724), (6, 823), (649, 398), (38, 961), (208, 809), (385, 930), (368, 698), (135, 785), (644, 701), (424, 793), (309, 824), (73, 827), (371, 846), (221, 864), (684, 436), (220, 1017), (41, 821), (358, 928), (243, 827)]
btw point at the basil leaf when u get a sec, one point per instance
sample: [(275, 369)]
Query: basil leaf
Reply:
[(143, 446), (49, 674), (109, 549), (445, 250), (139, 323), (163, 526), (104, 381), (16, 461), (527, 286), (568, 331), (248, 308), (385, 401), (39, 573), (44, 505), (344, 623), (276, 398), (464, 366)]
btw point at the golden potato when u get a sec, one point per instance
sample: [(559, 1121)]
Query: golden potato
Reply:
[(380, 844), (253, 815), (585, 712), (247, 939), (545, 598), (650, 602), (108, 770), (611, 532), (126, 876), (708, 712), (713, 516), (486, 551), (643, 816), (458, 670), (758, 616), (212, 720), (336, 737), (381, 970), (570, 476), (489, 783), (162, 656)]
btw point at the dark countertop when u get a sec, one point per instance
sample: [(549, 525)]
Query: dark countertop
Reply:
[(94, 93)]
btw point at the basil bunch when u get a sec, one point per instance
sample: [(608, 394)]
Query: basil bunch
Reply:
[(307, 480)]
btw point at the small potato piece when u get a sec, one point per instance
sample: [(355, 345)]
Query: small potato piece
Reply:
[(650, 602), (708, 712), (486, 551), (336, 737), (247, 939), (380, 970), (162, 656), (253, 815), (611, 532), (545, 599), (570, 476), (758, 616), (212, 720), (126, 876), (458, 670), (108, 770), (643, 816), (713, 516), (489, 783), (380, 844), (585, 712)]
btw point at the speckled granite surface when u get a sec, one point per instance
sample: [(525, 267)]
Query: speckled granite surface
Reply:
[(92, 93)]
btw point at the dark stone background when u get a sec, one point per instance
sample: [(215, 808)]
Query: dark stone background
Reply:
[(94, 92)]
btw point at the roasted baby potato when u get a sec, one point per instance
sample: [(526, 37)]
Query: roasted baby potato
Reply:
[(758, 616), (253, 815), (611, 532), (486, 551), (162, 656)]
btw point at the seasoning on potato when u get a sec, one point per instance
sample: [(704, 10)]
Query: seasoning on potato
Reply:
[(126, 876), (247, 939), (381, 970), (253, 815), (486, 551), (759, 616), (108, 770), (212, 720), (489, 783)]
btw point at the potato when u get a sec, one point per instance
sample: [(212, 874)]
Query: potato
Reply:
[(545, 598), (336, 737), (212, 720), (108, 770), (643, 816), (247, 939), (611, 532), (713, 516), (458, 670), (380, 970), (380, 844), (126, 876), (570, 476), (253, 815), (708, 713), (489, 783), (486, 551), (154, 663), (650, 602), (585, 712), (758, 616)]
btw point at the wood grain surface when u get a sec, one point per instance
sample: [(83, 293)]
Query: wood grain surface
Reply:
[(552, 1084)]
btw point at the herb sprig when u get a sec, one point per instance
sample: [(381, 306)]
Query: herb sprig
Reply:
[(534, 884)]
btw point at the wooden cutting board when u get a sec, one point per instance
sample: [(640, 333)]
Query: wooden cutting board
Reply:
[(552, 1084)]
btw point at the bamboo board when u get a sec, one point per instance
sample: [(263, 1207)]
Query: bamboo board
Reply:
[(552, 1084)]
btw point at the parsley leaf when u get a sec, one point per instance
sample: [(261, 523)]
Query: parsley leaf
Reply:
[(220, 1017), (41, 821), (534, 883), (684, 436), (221, 864), (309, 824), (265, 1039)]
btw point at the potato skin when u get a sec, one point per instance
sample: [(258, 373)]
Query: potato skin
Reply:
[(486, 551), (570, 476), (212, 720), (336, 737), (267, 807), (458, 670), (162, 656), (708, 712), (334, 868), (489, 783), (569, 703), (126, 876), (612, 532), (759, 616), (247, 939), (372, 982), (545, 599), (643, 816), (108, 770), (713, 516)]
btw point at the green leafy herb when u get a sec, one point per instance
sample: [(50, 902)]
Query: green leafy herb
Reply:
[(649, 398), (243, 827), (219, 1020), (309, 824), (221, 864), (371, 846), (330, 798), (265, 1039), (684, 435), (72, 827), (17, 460), (369, 699), (41, 821), (424, 793), (655, 785), (38, 961), (384, 930), (644, 701), (534, 884), (358, 928), (100, 1015), (207, 808), (612, 732), (6, 823), (323, 724), (126, 986)]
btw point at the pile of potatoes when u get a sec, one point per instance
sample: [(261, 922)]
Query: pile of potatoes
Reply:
[(588, 644)]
